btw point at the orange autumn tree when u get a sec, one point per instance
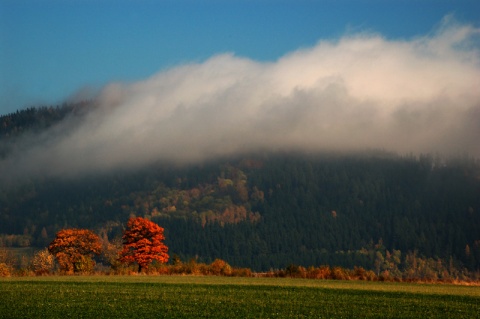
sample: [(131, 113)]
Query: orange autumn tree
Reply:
[(74, 249), (143, 243)]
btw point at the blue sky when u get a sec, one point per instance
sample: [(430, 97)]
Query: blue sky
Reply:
[(51, 49), (186, 81)]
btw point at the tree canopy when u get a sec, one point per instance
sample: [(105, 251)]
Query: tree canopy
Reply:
[(143, 243), (74, 249)]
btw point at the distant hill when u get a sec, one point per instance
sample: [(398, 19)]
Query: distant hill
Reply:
[(261, 211)]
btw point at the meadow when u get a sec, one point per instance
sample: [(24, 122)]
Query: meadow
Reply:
[(227, 297)]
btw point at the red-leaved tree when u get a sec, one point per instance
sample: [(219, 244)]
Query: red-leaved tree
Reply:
[(143, 243), (74, 249)]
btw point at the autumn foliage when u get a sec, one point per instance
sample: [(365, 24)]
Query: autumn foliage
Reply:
[(74, 249), (143, 243), (43, 262)]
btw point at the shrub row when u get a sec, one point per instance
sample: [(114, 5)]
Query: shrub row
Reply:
[(359, 273), (44, 264)]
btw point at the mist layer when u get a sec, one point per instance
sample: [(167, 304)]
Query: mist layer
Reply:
[(361, 91)]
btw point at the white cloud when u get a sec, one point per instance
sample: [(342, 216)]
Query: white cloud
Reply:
[(361, 91)]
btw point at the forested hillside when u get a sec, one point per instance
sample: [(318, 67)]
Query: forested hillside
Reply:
[(261, 211)]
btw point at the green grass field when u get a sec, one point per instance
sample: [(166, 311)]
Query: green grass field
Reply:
[(224, 297)]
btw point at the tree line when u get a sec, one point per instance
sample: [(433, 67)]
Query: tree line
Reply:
[(77, 251)]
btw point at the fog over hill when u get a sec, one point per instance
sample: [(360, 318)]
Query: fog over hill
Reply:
[(359, 91)]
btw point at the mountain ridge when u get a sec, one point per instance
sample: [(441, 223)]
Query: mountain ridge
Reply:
[(263, 210)]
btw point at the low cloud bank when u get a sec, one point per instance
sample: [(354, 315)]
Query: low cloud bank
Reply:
[(360, 91)]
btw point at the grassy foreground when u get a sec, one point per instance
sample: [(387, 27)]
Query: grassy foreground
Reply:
[(224, 297)]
